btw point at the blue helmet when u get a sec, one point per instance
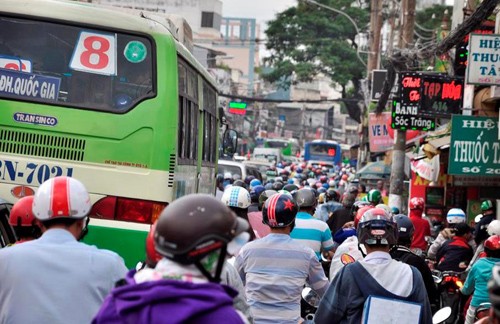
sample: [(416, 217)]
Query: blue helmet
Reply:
[(255, 182)]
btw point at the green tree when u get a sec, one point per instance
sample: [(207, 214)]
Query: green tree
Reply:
[(307, 39)]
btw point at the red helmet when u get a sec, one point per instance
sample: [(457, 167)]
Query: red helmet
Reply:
[(152, 257), (21, 213), (492, 243), (417, 203)]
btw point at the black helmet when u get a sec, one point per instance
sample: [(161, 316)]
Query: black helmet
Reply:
[(278, 185), (290, 187), (240, 183), (194, 226), (264, 196), (305, 198), (279, 210), (405, 228), (377, 228), (332, 194)]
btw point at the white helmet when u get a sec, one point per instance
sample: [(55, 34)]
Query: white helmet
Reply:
[(61, 197), (494, 227), (455, 216), (385, 207), (236, 197)]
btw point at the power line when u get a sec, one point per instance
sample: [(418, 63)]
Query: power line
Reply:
[(254, 99)]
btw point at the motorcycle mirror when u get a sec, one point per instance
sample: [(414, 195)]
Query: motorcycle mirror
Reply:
[(310, 297), (441, 315)]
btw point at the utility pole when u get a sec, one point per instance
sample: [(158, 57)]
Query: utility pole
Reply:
[(398, 153), (376, 22)]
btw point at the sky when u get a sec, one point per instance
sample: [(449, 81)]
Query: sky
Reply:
[(261, 10)]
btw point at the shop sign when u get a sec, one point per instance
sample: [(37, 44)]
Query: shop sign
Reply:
[(475, 148), (441, 96), (483, 66), (477, 181), (380, 140), (406, 113)]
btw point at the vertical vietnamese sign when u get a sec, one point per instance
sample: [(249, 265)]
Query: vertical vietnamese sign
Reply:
[(380, 140), (475, 148)]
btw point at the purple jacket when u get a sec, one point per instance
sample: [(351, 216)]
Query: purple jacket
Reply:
[(168, 301)]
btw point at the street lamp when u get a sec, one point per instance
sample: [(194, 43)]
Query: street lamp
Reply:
[(345, 15)]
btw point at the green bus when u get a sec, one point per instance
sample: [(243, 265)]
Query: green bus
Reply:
[(111, 98), (288, 146)]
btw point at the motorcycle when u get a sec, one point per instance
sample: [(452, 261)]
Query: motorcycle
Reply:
[(308, 304), (448, 285)]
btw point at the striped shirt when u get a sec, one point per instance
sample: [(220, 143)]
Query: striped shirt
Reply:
[(313, 233), (274, 270)]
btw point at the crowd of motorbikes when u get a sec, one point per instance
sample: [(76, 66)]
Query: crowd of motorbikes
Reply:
[(450, 309)]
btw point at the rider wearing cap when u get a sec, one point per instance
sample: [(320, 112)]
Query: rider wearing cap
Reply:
[(275, 268), (56, 279), (376, 275), (193, 235)]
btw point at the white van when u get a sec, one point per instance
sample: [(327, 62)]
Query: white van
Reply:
[(269, 154)]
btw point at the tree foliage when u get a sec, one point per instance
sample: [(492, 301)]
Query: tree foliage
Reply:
[(307, 39)]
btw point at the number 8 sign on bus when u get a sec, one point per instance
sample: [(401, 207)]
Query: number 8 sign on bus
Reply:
[(95, 53)]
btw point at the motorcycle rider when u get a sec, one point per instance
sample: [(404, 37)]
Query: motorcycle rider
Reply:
[(275, 268), (343, 214), (454, 216), (238, 200), (489, 214), (402, 252), (376, 275), (477, 279), (62, 280), (193, 235), (422, 226), (455, 254), (23, 221), (310, 231), (331, 203)]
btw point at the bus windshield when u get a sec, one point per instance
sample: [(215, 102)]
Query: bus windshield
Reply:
[(74, 66)]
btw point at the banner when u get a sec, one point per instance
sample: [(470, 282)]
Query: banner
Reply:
[(380, 141)]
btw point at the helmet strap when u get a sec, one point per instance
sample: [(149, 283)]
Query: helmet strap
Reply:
[(85, 229), (218, 270)]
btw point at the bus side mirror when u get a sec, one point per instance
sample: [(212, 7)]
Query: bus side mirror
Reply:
[(230, 142)]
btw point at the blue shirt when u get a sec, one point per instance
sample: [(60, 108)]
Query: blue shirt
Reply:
[(477, 281), (55, 279), (323, 211), (274, 270), (313, 233)]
